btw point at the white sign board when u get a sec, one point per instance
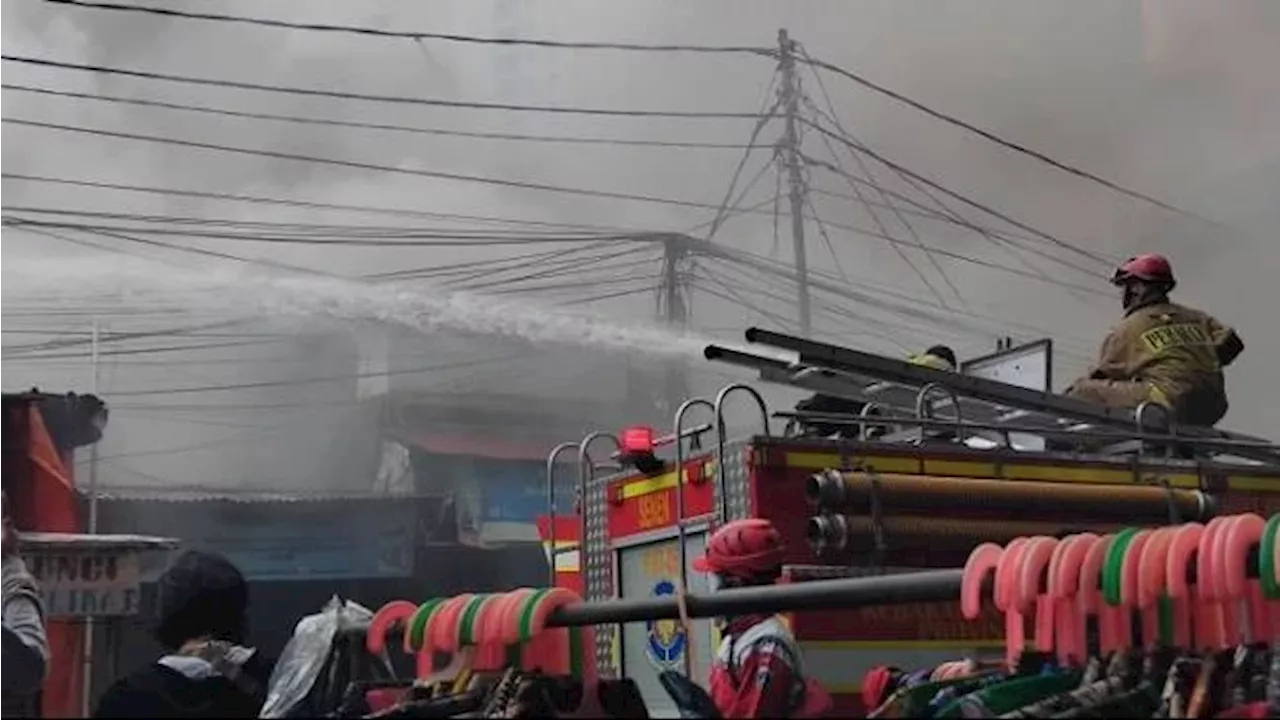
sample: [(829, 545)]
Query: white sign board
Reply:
[(76, 584), (648, 648), (1029, 366)]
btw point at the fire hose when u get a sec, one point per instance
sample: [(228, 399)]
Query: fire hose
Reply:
[(840, 533), (832, 491)]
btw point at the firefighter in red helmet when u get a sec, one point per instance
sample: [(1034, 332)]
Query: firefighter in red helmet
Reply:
[(758, 670), (1161, 351)]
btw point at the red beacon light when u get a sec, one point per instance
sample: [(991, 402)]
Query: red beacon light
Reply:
[(637, 440), (637, 449)]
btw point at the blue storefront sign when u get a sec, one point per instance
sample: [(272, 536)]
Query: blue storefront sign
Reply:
[(516, 491), (362, 542)]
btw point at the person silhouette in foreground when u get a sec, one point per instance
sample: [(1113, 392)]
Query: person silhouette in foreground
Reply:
[(207, 672), (26, 647)]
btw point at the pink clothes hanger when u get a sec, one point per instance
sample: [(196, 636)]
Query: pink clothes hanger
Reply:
[(1015, 636), (389, 617), (1183, 550), (1242, 535), (1064, 584), (1031, 593), (1207, 587), (982, 562), (1089, 596), (1129, 572), (1152, 576)]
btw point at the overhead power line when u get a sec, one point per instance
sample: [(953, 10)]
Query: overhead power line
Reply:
[(304, 229), (285, 202), (1002, 142), (84, 355), (398, 99), (117, 233), (121, 336), (458, 177), (419, 35), (849, 142), (311, 381), (19, 223), (408, 240), (436, 131), (756, 51)]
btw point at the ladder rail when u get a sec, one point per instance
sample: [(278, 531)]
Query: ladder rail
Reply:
[(895, 384), (991, 391), (892, 370)]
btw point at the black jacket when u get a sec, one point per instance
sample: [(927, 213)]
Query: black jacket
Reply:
[(161, 691)]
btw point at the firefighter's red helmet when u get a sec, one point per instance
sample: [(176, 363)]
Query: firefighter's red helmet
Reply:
[(1149, 267), (743, 548)]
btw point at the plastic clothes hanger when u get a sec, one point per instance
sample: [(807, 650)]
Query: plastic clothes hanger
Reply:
[(441, 635), (1233, 620), (1111, 575), (1064, 583), (1174, 615), (473, 631), (1268, 568), (1242, 535), (1029, 593), (1014, 625), (1207, 588), (982, 561), (389, 617), (415, 637), (550, 650), (1130, 570), (1183, 550), (1089, 595)]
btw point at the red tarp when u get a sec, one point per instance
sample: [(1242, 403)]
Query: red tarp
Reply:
[(54, 504)]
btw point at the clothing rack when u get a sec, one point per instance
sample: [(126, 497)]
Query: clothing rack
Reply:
[(1042, 579), (903, 391), (835, 594), (844, 593)]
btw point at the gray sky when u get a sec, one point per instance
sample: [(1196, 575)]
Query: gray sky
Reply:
[(1173, 98)]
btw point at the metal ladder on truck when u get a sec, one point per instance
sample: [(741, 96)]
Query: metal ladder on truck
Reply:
[(595, 548), (898, 393)]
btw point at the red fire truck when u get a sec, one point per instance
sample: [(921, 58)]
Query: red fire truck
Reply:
[(931, 464)]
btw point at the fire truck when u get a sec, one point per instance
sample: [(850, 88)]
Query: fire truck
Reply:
[(930, 465)]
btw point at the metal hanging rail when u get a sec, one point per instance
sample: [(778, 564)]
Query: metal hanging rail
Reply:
[(926, 586)]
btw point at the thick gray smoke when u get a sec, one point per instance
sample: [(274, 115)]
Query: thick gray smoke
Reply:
[(1173, 97)]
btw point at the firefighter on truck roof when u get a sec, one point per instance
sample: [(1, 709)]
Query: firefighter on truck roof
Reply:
[(938, 357), (1161, 351), (758, 670)]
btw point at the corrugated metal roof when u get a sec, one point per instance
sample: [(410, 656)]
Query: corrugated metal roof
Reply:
[(53, 542), (192, 495)]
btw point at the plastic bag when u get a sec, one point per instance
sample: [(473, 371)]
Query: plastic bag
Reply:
[(307, 654)]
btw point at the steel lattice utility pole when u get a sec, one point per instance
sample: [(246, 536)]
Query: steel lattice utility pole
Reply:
[(673, 311), (790, 147)]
